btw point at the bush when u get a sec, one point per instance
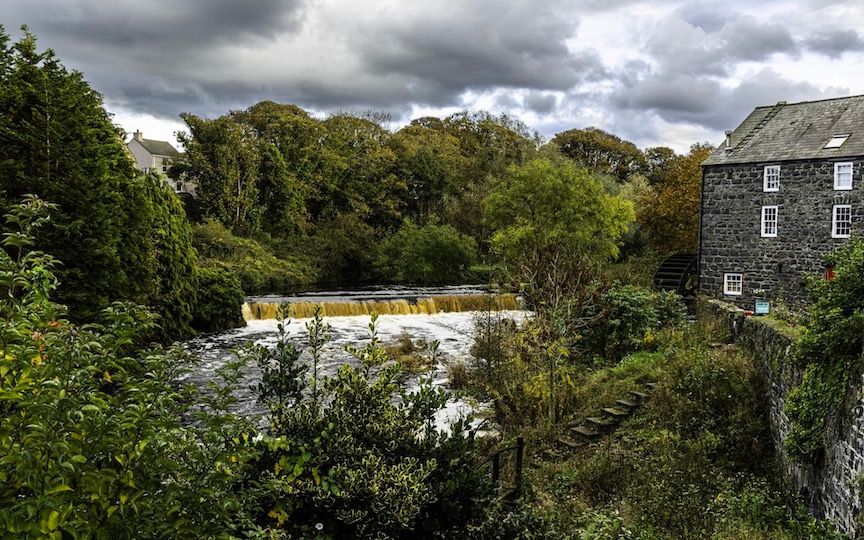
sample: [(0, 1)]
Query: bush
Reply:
[(630, 318), (259, 270), (382, 469), (428, 255), (829, 350), (90, 425), (220, 298)]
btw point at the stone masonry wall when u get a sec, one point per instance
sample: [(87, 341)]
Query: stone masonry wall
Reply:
[(731, 239), (829, 488)]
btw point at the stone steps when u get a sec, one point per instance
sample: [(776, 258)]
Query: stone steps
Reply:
[(594, 428)]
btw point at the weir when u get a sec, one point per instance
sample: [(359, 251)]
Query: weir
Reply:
[(299, 308)]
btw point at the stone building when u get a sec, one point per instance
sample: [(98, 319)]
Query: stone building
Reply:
[(782, 192), (156, 156)]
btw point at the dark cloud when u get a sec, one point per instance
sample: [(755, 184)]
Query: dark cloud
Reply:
[(675, 60), (708, 103), (834, 42), (154, 24), (480, 44)]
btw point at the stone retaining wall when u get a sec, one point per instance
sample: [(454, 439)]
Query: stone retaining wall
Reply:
[(830, 487)]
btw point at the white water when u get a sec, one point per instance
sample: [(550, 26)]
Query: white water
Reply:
[(454, 332)]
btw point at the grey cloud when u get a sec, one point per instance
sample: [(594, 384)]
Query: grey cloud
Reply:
[(747, 38), (522, 46), (540, 102), (834, 42), (155, 24), (709, 16), (710, 104)]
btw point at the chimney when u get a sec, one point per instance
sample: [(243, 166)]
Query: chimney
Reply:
[(728, 140), (138, 135)]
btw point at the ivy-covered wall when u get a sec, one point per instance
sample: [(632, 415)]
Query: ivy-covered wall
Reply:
[(830, 486)]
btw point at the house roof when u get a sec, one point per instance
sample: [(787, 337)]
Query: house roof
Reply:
[(158, 148), (792, 131)]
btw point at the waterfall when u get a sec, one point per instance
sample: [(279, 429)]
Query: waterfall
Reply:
[(424, 305)]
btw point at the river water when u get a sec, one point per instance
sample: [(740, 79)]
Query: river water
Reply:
[(454, 330)]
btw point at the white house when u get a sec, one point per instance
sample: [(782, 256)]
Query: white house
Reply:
[(156, 156)]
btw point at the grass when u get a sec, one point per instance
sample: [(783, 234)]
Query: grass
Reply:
[(696, 461)]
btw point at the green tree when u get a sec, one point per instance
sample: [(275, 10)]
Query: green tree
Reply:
[(429, 255), (432, 165), (223, 158), (601, 152), (117, 235), (554, 204)]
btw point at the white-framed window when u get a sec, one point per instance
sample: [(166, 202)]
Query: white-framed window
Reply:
[(841, 221), (769, 221), (733, 284), (771, 178), (843, 175)]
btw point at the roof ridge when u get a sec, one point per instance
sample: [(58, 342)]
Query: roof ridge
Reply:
[(804, 102)]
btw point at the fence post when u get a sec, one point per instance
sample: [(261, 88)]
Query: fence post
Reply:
[(520, 449), (496, 468)]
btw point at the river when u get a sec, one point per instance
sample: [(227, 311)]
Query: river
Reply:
[(425, 315)]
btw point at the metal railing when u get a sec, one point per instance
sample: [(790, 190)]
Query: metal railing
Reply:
[(495, 459)]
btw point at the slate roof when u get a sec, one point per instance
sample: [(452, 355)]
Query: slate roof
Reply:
[(159, 148), (793, 131)]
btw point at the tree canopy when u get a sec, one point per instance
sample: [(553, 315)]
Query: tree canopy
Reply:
[(553, 203), (118, 235)]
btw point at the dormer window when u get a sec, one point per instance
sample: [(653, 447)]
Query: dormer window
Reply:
[(837, 141)]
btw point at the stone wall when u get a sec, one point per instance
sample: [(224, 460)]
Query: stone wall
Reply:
[(830, 487), (731, 236)]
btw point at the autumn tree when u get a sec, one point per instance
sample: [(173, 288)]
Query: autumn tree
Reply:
[(668, 211), (601, 152)]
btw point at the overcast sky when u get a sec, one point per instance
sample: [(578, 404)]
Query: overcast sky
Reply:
[(658, 72)]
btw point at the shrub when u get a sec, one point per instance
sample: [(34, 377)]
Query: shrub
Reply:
[(428, 255), (382, 468), (220, 298), (829, 350), (91, 438), (629, 319), (258, 269)]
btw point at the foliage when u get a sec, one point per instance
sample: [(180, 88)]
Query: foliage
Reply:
[(694, 462), (220, 298), (830, 349), (116, 234), (91, 440), (668, 211), (630, 318), (382, 469), (345, 249), (428, 255), (601, 152), (553, 203), (257, 268)]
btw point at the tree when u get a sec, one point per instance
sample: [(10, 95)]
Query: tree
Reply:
[(601, 151), (669, 210), (431, 164), (117, 234), (429, 255), (222, 157), (553, 203)]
